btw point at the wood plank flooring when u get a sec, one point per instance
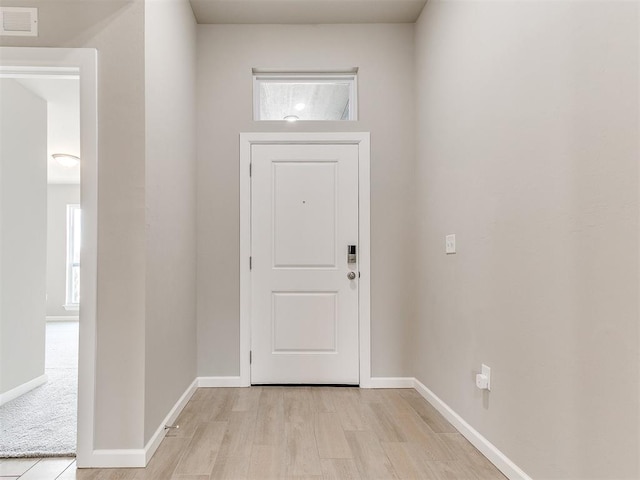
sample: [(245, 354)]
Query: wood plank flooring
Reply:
[(296, 433)]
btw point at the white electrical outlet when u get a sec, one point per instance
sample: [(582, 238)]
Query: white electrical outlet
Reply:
[(450, 243), (483, 380)]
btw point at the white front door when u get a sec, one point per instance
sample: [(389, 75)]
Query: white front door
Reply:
[(304, 300)]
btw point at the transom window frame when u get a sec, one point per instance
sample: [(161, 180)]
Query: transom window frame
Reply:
[(275, 76)]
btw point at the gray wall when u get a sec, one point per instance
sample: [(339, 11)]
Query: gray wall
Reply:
[(226, 55), (170, 66), (528, 151), (116, 29), (23, 224), (58, 196)]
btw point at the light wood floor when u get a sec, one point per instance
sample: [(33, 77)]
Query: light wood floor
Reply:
[(305, 433)]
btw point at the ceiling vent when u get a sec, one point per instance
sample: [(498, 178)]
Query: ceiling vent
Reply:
[(18, 22)]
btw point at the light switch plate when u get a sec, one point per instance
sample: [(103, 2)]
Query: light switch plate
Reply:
[(450, 244)]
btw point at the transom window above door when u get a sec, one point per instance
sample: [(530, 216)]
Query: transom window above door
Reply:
[(293, 97)]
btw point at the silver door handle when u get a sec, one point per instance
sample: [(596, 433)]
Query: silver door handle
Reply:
[(351, 275)]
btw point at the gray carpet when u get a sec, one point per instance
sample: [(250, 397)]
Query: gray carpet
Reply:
[(42, 422)]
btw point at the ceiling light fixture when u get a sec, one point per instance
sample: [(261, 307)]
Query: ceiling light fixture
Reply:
[(300, 106), (291, 118), (66, 160)]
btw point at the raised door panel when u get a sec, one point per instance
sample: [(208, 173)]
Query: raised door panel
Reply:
[(304, 214)]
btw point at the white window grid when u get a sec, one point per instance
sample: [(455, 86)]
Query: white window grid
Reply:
[(74, 235)]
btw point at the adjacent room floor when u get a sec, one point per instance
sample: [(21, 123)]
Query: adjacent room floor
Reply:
[(42, 422), (297, 432)]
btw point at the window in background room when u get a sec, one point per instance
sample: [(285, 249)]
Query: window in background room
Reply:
[(74, 235), (296, 97)]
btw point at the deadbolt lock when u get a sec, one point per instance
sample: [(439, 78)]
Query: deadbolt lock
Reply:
[(351, 254)]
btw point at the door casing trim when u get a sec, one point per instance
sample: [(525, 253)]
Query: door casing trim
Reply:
[(362, 139)]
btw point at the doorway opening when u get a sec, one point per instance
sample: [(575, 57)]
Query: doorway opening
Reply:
[(48, 215), (41, 237)]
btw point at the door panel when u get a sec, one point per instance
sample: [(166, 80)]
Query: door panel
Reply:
[(304, 322), (304, 211), (304, 308)]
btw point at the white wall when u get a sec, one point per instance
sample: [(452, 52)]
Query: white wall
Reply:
[(170, 66), (226, 55), (23, 223), (116, 29), (58, 197), (528, 151)]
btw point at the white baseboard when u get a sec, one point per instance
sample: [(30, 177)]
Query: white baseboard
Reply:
[(129, 458), (210, 382), (22, 389), (390, 382), (495, 456), (62, 318), (139, 457), (375, 382), (154, 442)]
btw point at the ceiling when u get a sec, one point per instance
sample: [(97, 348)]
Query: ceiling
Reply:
[(63, 122), (306, 11)]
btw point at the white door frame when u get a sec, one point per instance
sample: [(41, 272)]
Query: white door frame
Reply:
[(21, 61), (364, 296)]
